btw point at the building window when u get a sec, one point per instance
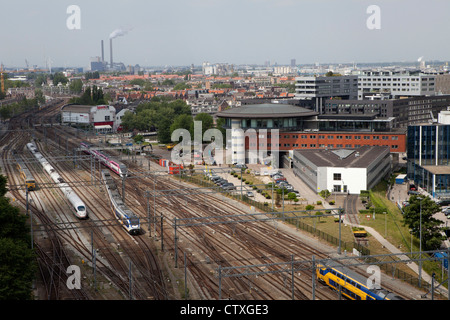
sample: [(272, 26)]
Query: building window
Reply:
[(107, 118), (337, 188), (366, 137), (336, 176)]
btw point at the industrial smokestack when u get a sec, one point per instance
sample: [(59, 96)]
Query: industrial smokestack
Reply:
[(103, 53), (111, 52)]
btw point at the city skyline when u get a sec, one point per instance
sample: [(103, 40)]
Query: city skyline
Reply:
[(189, 32)]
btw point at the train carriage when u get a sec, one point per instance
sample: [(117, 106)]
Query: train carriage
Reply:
[(127, 218), (75, 201), (351, 284), (25, 175), (115, 166)]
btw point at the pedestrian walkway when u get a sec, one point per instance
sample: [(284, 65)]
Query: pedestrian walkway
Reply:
[(311, 196)]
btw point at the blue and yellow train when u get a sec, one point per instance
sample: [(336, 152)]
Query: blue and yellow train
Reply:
[(352, 285)]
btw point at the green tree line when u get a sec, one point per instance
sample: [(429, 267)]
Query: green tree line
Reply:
[(17, 259), (24, 105), (164, 116)]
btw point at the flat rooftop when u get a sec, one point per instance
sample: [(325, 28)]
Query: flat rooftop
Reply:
[(360, 157), (267, 110), (437, 169), (76, 108)]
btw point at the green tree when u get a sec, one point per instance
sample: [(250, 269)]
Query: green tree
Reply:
[(39, 96), (182, 86), (128, 120), (17, 267), (76, 86), (59, 77), (206, 120), (164, 135), (182, 121), (138, 138), (138, 82), (40, 80), (291, 196), (431, 227)]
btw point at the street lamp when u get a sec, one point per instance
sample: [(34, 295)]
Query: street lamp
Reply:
[(420, 242), (385, 224)]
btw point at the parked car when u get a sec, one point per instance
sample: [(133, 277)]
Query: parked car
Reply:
[(277, 173), (250, 194), (445, 202), (229, 186), (222, 183), (446, 211)]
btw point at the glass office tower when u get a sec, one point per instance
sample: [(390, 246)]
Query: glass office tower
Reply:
[(428, 149)]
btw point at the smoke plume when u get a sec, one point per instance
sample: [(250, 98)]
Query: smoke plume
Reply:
[(119, 32)]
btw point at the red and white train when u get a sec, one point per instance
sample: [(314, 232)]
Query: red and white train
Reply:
[(115, 166)]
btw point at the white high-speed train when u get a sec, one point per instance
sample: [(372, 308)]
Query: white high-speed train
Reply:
[(75, 201)]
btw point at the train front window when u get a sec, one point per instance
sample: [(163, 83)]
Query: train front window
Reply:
[(81, 208)]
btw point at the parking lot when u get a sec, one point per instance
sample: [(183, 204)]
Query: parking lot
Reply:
[(229, 182)]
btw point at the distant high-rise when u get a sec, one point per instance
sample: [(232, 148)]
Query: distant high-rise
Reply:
[(111, 53), (103, 53), (293, 63)]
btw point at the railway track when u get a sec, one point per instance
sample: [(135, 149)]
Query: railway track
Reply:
[(138, 197), (206, 247)]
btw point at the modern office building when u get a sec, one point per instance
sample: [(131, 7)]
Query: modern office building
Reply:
[(281, 128), (317, 89), (344, 170), (395, 83), (404, 112), (428, 151)]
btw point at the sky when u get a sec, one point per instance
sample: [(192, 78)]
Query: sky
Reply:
[(185, 32)]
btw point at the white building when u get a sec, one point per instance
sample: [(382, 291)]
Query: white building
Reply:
[(102, 117), (342, 170), (396, 83)]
